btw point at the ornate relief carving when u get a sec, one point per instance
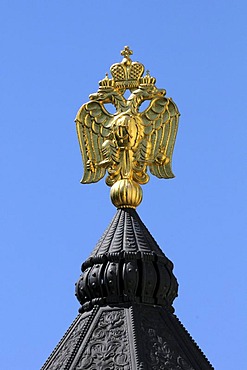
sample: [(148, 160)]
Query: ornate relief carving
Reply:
[(158, 349), (108, 347)]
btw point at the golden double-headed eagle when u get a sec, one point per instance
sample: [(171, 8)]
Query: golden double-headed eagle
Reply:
[(128, 141)]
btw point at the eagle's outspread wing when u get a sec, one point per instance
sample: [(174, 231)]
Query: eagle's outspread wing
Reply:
[(160, 122), (93, 124)]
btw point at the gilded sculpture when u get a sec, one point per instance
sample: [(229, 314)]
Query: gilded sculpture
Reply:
[(128, 142)]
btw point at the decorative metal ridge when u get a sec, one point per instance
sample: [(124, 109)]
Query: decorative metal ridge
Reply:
[(126, 233), (128, 142)]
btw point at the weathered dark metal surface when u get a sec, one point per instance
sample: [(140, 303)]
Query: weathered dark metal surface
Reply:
[(134, 337), (127, 320), (127, 265)]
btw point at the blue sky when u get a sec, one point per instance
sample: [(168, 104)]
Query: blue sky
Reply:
[(53, 53)]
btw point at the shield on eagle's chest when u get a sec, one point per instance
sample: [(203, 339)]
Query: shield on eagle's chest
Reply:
[(128, 131)]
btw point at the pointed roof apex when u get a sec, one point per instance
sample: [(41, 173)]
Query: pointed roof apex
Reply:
[(126, 265)]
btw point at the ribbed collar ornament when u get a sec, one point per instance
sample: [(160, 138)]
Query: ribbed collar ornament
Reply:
[(129, 141)]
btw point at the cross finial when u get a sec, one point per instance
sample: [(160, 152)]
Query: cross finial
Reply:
[(126, 52)]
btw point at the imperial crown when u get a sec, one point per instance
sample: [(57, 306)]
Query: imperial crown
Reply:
[(127, 74)]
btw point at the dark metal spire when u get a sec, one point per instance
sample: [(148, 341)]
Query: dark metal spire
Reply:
[(127, 265), (126, 321)]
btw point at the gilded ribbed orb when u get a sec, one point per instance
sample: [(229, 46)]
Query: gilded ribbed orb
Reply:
[(126, 193)]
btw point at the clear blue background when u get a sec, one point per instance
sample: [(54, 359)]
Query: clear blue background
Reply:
[(53, 53)]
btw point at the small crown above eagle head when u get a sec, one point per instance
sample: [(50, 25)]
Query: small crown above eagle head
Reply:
[(147, 79), (106, 82)]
